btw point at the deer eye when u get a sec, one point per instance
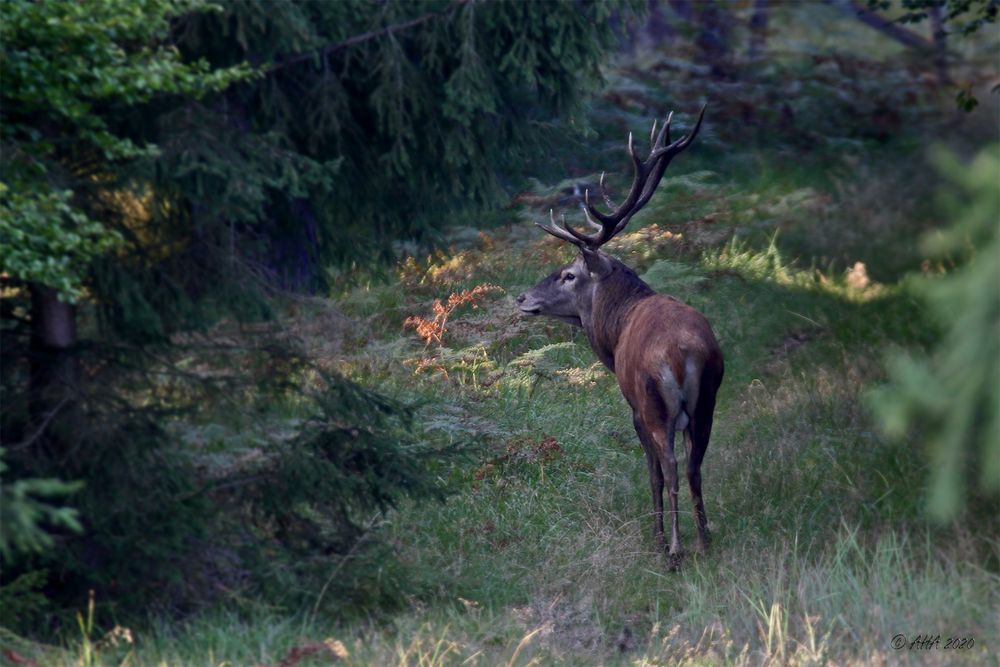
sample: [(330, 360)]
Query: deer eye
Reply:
[(568, 277)]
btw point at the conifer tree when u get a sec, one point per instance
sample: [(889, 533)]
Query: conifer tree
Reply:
[(67, 69), (373, 122), (165, 162)]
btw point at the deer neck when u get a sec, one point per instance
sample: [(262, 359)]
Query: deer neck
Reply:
[(614, 298)]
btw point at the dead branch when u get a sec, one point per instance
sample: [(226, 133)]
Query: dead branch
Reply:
[(883, 25)]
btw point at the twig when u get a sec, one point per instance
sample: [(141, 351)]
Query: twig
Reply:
[(340, 565), (24, 444)]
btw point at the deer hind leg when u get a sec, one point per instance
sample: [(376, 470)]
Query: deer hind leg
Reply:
[(663, 436), (662, 411), (694, 422), (696, 440), (655, 478), (695, 454)]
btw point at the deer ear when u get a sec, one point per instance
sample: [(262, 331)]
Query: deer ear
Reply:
[(597, 263)]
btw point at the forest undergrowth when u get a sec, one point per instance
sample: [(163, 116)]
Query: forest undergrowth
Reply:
[(542, 552)]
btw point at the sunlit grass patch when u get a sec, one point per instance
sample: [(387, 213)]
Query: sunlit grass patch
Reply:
[(768, 265)]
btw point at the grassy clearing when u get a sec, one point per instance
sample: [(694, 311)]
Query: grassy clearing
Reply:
[(543, 554)]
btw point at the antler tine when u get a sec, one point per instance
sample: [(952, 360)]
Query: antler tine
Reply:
[(697, 126), (610, 221), (559, 232), (672, 149), (604, 194), (663, 138), (567, 232), (580, 236), (586, 214), (656, 159), (664, 154)]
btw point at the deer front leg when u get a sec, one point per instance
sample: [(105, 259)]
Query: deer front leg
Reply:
[(655, 479)]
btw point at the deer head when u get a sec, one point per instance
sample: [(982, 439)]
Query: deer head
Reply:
[(567, 293)]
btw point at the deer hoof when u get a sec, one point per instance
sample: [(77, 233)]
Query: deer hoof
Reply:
[(674, 562), (704, 542)]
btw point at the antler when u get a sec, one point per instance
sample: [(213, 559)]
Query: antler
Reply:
[(648, 174)]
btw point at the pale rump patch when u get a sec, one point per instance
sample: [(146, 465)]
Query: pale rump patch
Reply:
[(674, 398)]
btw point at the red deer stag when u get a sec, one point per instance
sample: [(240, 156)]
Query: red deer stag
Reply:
[(662, 351)]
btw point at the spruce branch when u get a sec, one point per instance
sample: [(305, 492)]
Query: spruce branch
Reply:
[(364, 37)]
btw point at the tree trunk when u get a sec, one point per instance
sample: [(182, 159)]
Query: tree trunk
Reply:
[(656, 30), (683, 9), (940, 37), (713, 37), (54, 373), (758, 29)]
